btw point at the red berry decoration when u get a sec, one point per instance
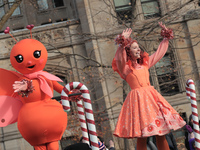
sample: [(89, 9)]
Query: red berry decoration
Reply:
[(30, 26), (7, 30)]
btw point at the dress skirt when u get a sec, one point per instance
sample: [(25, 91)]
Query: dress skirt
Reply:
[(146, 113)]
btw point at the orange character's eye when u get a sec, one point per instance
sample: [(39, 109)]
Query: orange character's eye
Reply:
[(19, 58), (37, 54)]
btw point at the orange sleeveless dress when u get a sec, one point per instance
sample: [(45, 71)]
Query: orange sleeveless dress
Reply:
[(41, 120), (144, 112)]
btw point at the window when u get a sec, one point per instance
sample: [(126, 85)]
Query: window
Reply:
[(58, 3), (56, 94), (42, 4), (167, 75), (150, 8), (17, 10), (2, 11), (123, 9)]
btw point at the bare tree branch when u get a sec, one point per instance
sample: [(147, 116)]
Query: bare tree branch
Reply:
[(9, 13)]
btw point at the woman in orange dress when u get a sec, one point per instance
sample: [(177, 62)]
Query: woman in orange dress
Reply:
[(144, 112)]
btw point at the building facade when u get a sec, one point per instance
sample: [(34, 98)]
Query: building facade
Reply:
[(79, 36)]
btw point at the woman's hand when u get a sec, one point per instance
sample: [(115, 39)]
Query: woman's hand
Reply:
[(165, 32), (162, 26), (126, 33)]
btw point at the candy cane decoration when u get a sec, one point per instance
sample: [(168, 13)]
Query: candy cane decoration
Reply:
[(88, 111), (191, 95)]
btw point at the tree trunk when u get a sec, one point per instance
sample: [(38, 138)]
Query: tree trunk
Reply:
[(9, 13)]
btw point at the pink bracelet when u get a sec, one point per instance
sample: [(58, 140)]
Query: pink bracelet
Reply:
[(167, 33), (121, 40)]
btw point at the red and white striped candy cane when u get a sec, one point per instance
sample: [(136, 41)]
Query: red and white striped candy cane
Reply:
[(88, 112), (191, 95)]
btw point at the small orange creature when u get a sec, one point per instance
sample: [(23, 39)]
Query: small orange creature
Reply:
[(26, 96)]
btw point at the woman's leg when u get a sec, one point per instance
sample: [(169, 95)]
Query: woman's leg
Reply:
[(53, 146), (161, 143), (141, 143)]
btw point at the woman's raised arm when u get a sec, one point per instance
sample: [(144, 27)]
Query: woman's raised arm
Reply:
[(120, 59), (167, 34)]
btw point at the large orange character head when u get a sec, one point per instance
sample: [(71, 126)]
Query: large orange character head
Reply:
[(28, 56)]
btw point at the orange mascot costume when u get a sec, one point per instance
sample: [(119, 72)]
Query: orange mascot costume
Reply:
[(25, 97)]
